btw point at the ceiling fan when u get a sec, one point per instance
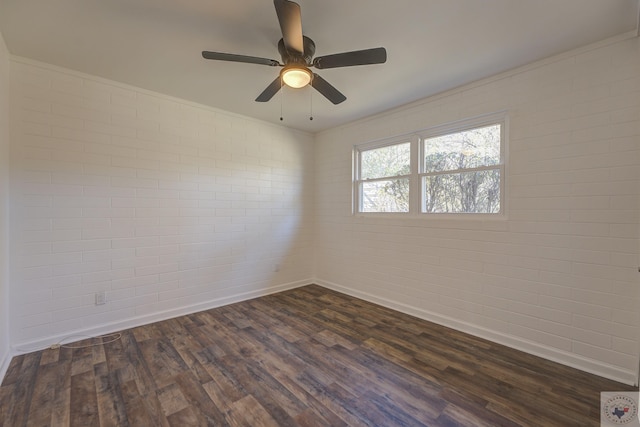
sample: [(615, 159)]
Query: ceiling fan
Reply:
[(297, 53)]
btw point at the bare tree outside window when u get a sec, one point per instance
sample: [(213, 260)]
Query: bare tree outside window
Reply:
[(462, 172)]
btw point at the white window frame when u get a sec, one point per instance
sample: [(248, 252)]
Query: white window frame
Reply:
[(416, 193)]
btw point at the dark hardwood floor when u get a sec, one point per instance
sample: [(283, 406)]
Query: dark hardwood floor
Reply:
[(305, 357)]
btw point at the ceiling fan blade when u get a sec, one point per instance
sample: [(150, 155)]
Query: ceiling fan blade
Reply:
[(325, 88), (239, 58), (290, 20), (271, 90), (376, 55)]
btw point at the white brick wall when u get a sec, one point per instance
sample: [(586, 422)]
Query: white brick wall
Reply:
[(167, 206), (4, 206), (559, 277)]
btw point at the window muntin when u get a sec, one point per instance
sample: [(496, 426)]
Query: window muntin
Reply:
[(452, 169)]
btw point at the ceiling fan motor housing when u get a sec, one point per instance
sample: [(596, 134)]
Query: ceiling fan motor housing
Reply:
[(289, 57)]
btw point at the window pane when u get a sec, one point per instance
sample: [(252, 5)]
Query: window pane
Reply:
[(463, 150), (467, 192), (392, 160), (385, 196)]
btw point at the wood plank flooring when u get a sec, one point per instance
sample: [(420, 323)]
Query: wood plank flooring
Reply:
[(305, 357)]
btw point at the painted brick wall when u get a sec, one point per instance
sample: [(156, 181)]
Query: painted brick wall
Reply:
[(559, 277), (167, 206), (4, 206)]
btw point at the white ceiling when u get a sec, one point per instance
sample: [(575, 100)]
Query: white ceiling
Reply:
[(432, 45)]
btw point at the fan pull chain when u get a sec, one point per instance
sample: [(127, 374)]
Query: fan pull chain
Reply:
[(310, 105), (281, 95)]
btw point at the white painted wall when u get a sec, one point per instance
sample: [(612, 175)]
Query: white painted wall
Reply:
[(4, 206), (559, 277), (167, 206)]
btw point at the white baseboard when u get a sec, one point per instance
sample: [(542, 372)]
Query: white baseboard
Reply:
[(565, 358), (4, 364), (132, 322), (575, 361)]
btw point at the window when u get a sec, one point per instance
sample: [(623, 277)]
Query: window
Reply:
[(453, 169), (385, 173), (461, 171)]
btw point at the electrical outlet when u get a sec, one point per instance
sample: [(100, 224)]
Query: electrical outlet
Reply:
[(101, 298)]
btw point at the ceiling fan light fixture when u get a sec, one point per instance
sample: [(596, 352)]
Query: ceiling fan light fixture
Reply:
[(296, 76)]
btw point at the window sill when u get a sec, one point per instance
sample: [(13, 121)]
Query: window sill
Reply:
[(432, 217)]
